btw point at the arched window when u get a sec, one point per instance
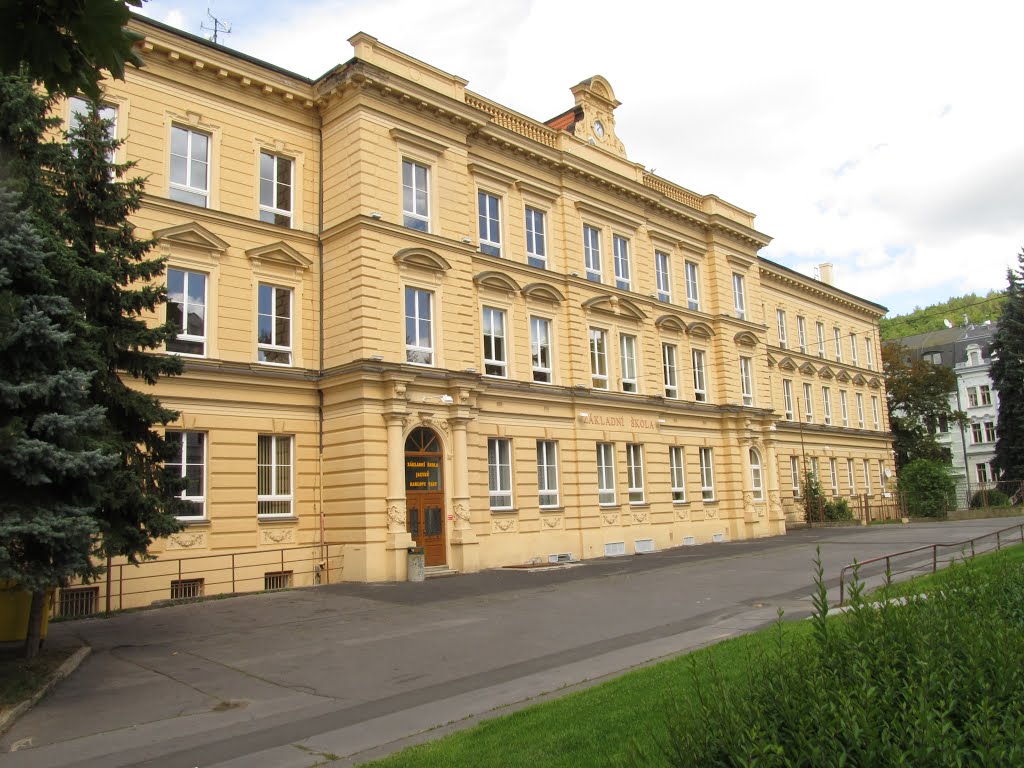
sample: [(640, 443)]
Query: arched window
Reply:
[(756, 482)]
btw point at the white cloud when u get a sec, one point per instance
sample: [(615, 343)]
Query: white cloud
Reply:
[(883, 137)]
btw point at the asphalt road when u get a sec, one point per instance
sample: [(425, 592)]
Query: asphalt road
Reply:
[(355, 670)]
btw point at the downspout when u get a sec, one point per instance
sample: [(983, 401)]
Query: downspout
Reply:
[(324, 567)]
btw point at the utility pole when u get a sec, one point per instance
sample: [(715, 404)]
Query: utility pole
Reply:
[(218, 26)]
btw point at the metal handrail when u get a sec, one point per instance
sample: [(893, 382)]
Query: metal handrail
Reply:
[(935, 554)]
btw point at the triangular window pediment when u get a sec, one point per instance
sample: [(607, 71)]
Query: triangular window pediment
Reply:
[(842, 376), (874, 383), (808, 368), (826, 373), (787, 364), (192, 235), (279, 253), (859, 379), (772, 362)]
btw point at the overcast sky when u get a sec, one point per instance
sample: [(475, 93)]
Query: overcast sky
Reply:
[(886, 138)]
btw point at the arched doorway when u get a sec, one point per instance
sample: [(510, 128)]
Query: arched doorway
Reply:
[(424, 493)]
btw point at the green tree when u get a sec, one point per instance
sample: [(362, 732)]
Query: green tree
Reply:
[(928, 488), (67, 44), (1008, 377), (917, 394)]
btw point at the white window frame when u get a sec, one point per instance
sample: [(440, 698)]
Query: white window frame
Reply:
[(269, 209), (808, 403), (418, 350), (677, 473), (635, 473), (499, 461), (844, 407), (851, 470), (598, 358), (692, 286), (976, 433), (663, 276), (990, 432), (780, 318), (592, 253), (747, 381), (972, 397), (869, 348), (189, 186), (184, 336), (183, 464), (494, 333), (739, 295), (837, 336), (536, 238), (547, 474), (787, 399), (606, 474), (413, 218), (860, 411), (756, 474), (795, 476), (820, 329), (801, 331), (541, 348), (707, 474), (628, 363), (867, 476), (276, 495), (875, 415), (833, 471), (985, 392), (854, 358), (981, 471), (620, 260), (275, 347), (699, 360), (670, 370), (488, 217), (826, 405)]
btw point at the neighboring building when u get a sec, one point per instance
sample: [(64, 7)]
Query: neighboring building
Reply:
[(973, 447), (410, 313)]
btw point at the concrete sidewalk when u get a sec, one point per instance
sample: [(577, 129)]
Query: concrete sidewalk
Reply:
[(355, 670)]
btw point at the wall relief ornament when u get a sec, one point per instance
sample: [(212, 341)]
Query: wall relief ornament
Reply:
[(395, 516), (186, 540), (552, 522), (461, 513), (640, 517), (748, 498), (611, 519), (683, 513), (711, 511), (504, 526), (278, 536), (760, 508)]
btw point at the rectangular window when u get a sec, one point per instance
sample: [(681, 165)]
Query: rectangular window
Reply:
[(627, 357), (489, 221), (972, 397), (814, 467), (598, 359), (547, 473), (186, 311), (187, 460), (668, 366), (869, 353), (190, 166), (275, 189), (662, 276), (820, 328), (274, 475), (982, 470), (80, 107), (826, 404), (844, 408), (867, 477), (874, 413), (606, 473), (540, 349), (635, 472), (943, 423), (747, 380), (787, 398), (274, 325), (976, 434), (495, 350), (837, 337), (692, 286), (853, 349), (853, 477), (700, 392), (756, 477), (536, 246), (833, 472), (780, 316), (707, 475), (801, 332), (990, 431), (860, 410), (808, 404), (592, 253), (499, 472), (739, 296), (986, 394), (419, 337), (794, 474), (677, 468), (620, 250), (415, 196)]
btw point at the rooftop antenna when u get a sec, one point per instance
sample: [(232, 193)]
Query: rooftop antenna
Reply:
[(218, 27)]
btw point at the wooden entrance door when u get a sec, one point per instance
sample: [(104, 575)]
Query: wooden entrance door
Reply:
[(424, 494)]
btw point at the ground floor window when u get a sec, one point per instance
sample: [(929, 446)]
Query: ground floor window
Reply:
[(499, 472), (274, 475)]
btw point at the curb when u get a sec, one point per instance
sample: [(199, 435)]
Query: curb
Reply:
[(10, 717)]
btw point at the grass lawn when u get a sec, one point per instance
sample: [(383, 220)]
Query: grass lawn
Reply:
[(986, 562), (596, 726), (19, 679)]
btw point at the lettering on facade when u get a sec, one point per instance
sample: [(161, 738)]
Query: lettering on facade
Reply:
[(422, 474), (631, 422)]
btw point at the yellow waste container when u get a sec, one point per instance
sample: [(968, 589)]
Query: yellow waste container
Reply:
[(15, 604)]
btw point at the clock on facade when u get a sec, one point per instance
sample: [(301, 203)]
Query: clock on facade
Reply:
[(599, 129)]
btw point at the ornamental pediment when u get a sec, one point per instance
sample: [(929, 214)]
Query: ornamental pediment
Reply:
[(279, 253), (671, 323), (497, 280), (745, 339), (808, 368), (826, 373), (859, 379), (700, 329), (874, 383), (192, 235), (544, 292), (424, 258), (843, 376), (787, 364), (615, 305), (772, 362)]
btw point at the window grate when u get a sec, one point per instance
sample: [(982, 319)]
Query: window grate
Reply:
[(78, 601), (277, 580), (614, 548), (185, 589), (641, 546)]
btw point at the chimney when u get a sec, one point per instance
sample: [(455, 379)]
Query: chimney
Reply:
[(825, 274)]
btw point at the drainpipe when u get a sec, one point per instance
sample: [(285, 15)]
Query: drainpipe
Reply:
[(320, 372)]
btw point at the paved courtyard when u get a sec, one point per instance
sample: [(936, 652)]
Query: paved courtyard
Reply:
[(354, 670)]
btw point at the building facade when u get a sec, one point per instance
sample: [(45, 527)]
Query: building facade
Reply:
[(412, 315)]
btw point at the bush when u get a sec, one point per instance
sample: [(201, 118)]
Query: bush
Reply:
[(838, 509), (928, 488), (993, 498), (813, 499), (931, 682)]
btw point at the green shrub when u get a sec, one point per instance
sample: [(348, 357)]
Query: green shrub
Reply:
[(813, 499), (838, 509), (993, 498), (928, 488), (930, 682)]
